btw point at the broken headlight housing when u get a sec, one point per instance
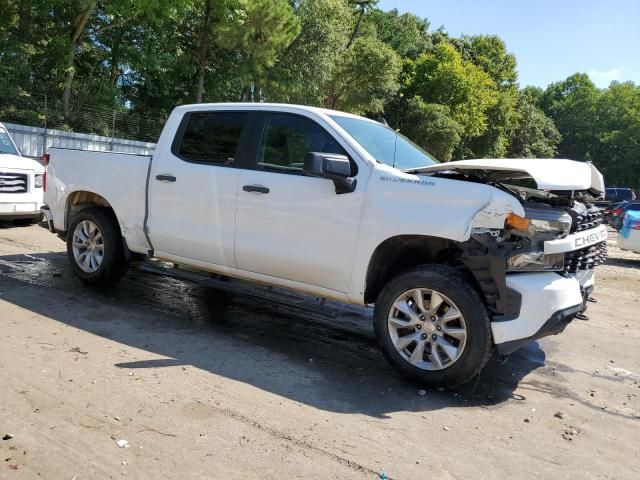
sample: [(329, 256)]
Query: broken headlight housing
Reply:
[(540, 221), (535, 261), (537, 226)]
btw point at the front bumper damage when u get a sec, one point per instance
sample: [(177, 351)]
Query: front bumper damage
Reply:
[(525, 306), (549, 302)]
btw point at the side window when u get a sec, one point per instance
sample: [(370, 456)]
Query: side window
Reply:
[(211, 137), (288, 138)]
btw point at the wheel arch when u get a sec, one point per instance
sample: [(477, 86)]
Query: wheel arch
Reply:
[(404, 252), (81, 199)]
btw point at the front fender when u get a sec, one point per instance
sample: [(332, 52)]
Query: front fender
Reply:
[(399, 203)]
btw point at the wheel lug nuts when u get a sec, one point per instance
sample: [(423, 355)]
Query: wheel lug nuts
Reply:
[(423, 336), (434, 336), (422, 318), (438, 327), (433, 318), (419, 327)]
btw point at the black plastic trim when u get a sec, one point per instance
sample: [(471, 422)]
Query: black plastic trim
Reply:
[(554, 325)]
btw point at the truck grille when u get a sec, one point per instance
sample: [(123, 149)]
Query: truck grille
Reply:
[(13, 182), (585, 258), (591, 218)]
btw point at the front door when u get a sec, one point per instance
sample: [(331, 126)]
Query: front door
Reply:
[(290, 225)]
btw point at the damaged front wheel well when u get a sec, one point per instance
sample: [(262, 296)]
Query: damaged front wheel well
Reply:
[(404, 252)]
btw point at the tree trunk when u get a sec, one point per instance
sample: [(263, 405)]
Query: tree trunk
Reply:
[(356, 30), (246, 91), (24, 22), (79, 24), (203, 50), (24, 35), (115, 60)]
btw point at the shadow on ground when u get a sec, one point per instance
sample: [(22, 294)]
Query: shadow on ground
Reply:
[(624, 262), (318, 353)]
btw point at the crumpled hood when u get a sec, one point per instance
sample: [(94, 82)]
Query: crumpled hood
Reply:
[(548, 173), (16, 162)]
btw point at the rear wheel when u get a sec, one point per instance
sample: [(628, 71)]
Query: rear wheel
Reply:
[(432, 326), (95, 247)]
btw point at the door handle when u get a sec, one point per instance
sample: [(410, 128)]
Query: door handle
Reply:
[(255, 188), (165, 177)]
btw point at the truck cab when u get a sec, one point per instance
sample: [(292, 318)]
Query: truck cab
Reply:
[(21, 193)]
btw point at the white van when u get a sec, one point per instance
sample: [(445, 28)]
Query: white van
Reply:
[(20, 182)]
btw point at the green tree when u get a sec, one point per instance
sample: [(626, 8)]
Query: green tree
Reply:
[(428, 124), (617, 147), (362, 7), (572, 105), (306, 65), (365, 76), (406, 33), (535, 135), (259, 32), (443, 77)]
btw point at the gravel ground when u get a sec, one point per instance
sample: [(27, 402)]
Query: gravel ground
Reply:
[(240, 382)]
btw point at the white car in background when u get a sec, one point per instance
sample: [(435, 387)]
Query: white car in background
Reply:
[(629, 236), (20, 182)]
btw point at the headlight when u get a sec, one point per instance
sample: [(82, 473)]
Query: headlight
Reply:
[(38, 182), (540, 221), (535, 261)]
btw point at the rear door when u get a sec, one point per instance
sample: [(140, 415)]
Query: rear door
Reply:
[(193, 188), (290, 225)]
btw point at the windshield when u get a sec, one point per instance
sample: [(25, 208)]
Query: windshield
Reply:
[(6, 145), (384, 144)]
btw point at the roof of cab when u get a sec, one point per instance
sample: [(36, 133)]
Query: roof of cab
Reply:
[(266, 106)]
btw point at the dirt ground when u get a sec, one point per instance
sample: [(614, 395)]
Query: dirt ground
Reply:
[(240, 382)]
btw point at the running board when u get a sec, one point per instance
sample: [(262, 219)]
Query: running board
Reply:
[(314, 306)]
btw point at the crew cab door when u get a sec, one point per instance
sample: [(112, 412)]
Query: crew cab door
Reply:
[(193, 186), (289, 225)]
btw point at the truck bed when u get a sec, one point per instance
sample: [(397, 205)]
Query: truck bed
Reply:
[(120, 178)]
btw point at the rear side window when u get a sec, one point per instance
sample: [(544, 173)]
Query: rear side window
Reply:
[(211, 137)]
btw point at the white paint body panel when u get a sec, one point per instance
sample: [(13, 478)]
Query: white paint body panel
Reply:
[(548, 173), (576, 240), (117, 177), (26, 203), (193, 217), (543, 294), (302, 235)]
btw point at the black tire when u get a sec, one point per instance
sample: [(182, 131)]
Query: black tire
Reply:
[(114, 264), (449, 282)]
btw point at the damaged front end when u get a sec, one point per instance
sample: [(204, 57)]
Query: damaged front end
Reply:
[(535, 265)]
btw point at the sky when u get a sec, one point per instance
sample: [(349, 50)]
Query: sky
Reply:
[(551, 39)]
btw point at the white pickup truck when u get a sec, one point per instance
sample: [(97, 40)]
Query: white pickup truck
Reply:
[(457, 257), (20, 182)]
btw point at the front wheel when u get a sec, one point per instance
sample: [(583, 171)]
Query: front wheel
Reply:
[(95, 247), (432, 326)]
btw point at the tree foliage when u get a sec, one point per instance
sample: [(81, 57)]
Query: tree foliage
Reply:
[(456, 97)]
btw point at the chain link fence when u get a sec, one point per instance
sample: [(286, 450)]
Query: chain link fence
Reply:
[(45, 111)]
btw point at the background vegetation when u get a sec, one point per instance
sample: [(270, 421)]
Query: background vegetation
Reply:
[(457, 97)]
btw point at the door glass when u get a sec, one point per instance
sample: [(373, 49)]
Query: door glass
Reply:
[(288, 138), (212, 137)]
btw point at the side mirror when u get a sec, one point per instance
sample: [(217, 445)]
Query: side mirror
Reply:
[(333, 166)]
